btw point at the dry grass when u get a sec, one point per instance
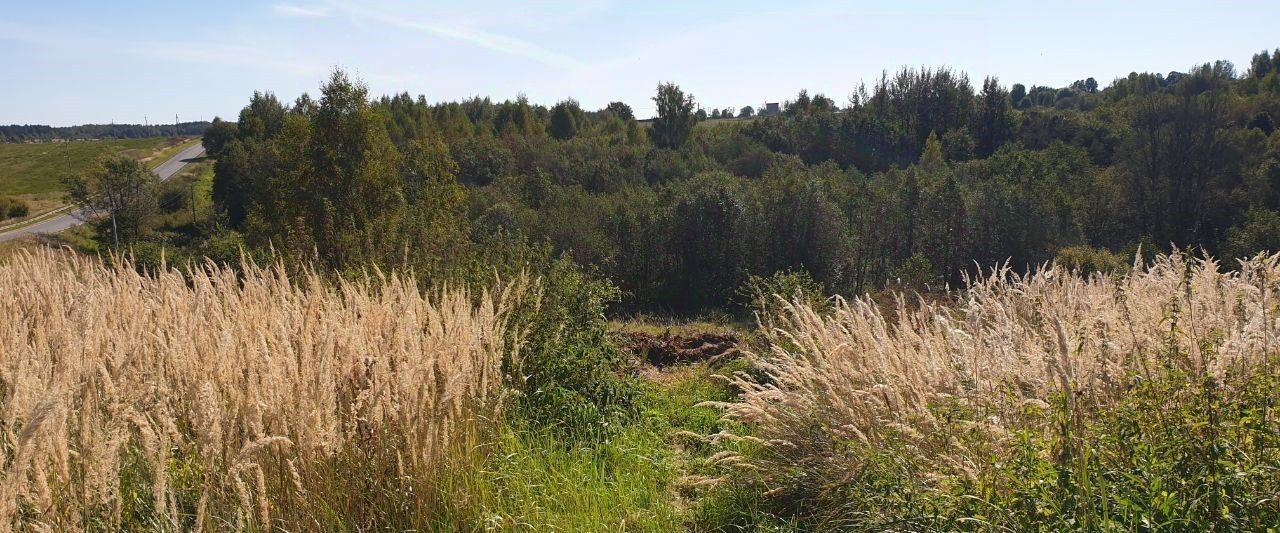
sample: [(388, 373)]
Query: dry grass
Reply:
[(211, 400), (954, 387)]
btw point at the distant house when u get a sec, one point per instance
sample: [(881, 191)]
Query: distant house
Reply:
[(770, 109)]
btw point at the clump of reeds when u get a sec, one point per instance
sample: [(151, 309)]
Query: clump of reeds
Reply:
[(937, 399), (217, 399)]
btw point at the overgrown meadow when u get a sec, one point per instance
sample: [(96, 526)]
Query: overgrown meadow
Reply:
[(211, 399)]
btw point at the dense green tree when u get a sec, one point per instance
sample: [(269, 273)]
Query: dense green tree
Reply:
[(1261, 64), (800, 225), (958, 145), (38, 132), (1263, 122), (233, 178), (481, 159), (263, 118), (120, 191), (620, 110), (1260, 232), (1017, 94), (676, 116), (924, 102), (565, 120), (931, 158), (515, 118), (917, 181), (220, 133), (995, 122), (706, 225), (344, 160)]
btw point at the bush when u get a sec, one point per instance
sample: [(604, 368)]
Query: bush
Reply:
[(767, 297), (1260, 232), (918, 274), (13, 207), (666, 165), (568, 379), (174, 195), (1089, 260)]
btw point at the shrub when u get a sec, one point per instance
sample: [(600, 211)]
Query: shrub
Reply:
[(666, 165), (174, 195), (1259, 232), (1047, 401), (1088, 260), (568, 379), (13, 207), (768, 297), (917, 273)]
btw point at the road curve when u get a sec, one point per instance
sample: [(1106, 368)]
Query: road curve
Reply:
[(58, 223)]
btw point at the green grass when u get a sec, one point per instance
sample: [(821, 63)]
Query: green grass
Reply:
[(536, 481), (196, 178), (658, 326), (34, 169), (644, 476), (82, 239)]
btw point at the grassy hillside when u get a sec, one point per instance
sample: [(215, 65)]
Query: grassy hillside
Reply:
[(32, 169)]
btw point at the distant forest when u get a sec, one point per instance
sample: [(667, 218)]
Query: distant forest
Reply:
[(36, 132), (916, 181)]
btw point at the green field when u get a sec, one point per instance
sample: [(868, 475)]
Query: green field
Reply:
[(34, 169)]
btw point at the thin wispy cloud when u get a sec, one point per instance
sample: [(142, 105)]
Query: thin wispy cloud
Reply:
[(202, 53), (46, 37), (487, 40), (297, 11), (230, 55)]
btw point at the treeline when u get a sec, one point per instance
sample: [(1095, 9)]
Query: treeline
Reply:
[(35, 132), (920, 179)]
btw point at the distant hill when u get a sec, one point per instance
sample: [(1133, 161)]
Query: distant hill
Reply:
[(37, 132)]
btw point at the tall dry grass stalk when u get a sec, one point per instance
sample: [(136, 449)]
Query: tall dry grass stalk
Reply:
[(211, 399), (1007, 349)]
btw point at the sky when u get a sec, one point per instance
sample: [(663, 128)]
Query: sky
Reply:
[(77, 62)]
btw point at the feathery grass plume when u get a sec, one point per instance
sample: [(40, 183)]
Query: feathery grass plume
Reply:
[(204, 398), (957, 404)]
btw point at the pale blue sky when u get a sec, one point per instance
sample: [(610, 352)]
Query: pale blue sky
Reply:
[(81, 61)]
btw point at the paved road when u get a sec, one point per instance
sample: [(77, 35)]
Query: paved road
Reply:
[(58, 223)]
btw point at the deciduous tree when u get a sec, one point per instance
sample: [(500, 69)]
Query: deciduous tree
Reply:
[(676, 116), (119, 189)]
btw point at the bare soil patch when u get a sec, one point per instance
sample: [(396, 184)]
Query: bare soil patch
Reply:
[(669, 349)]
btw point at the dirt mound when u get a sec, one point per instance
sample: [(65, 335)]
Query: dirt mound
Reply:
[(671, 349)]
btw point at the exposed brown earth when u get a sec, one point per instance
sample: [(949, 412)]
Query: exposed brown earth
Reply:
[(673, 349)]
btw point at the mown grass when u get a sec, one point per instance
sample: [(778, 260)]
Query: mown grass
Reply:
[(34, 169)]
